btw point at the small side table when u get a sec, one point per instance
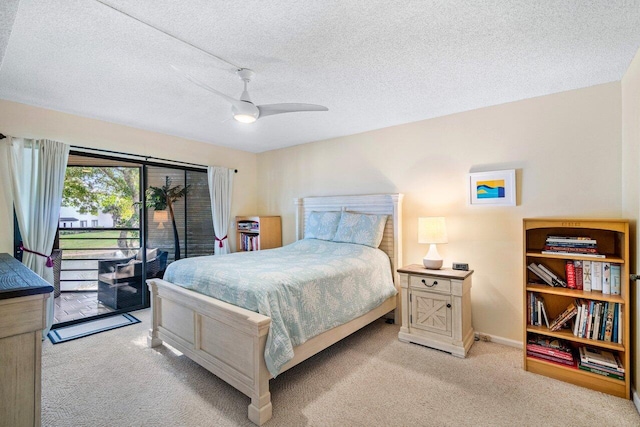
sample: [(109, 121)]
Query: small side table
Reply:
[(436, 308)]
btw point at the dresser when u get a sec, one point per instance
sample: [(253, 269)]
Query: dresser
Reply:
[(23, 297), (436, 308)]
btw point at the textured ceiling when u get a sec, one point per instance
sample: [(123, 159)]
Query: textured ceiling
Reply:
[(374, 63)]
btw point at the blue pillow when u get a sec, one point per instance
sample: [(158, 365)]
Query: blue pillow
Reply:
[(321, 225), (362, 229)]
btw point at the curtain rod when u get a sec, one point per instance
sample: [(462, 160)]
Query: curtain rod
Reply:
[(139, 156), (2, 136)]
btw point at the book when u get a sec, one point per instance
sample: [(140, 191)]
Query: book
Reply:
[(601, 367), (587, 361), (535, 348), (569, 244), (577, 251), (570, 253), (606, 277), (608, 327), (614, 333), (586, 276), (620, 323), (549, 342), (570, 274), (577, 266), (598, 356), (551, 359), (596, 321), (543, 310), (563, 317), (572, 239), (577, 320), (596, 276), (585, 315), (555, 279), (594, 370), (603, 320), (615, 279), (589, 326), (541, 274)]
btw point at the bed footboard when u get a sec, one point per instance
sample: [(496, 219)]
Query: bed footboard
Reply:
[(226, 340)]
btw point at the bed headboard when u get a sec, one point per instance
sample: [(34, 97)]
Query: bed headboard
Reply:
[(389, 204)]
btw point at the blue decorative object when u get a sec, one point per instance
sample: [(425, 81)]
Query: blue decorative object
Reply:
[(362, 229), (322, 225)]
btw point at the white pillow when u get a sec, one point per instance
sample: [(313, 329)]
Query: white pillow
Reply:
[(151, 254)]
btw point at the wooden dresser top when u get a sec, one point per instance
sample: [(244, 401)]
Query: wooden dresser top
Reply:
[(16, 280)]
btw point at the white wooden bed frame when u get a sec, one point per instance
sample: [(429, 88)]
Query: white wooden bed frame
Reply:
[(229, 341)]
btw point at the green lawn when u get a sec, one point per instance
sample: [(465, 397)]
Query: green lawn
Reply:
[(90, 239)]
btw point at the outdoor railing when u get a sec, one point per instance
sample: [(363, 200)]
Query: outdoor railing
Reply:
[(82, 248)]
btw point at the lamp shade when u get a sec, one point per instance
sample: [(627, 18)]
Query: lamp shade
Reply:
[(160, 216), (432, 230)]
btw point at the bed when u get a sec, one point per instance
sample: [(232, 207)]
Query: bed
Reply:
[(230, 341)]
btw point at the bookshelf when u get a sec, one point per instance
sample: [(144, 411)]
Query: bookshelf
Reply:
[(254, 233), (612, 236)]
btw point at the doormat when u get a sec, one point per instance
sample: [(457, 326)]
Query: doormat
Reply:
[(68, 333)]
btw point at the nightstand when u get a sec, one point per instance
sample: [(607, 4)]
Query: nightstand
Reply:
[(436, 308)]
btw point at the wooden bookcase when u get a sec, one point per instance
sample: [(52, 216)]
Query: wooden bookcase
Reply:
[(258, 232), (613, 241)]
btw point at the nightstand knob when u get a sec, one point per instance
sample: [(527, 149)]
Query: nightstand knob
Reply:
[(424, 282), (448, 305)]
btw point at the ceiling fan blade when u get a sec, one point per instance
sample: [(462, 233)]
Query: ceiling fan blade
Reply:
[(271, 109), (205, 86)]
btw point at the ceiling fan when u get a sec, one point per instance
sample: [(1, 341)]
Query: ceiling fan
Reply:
[(243, 109)]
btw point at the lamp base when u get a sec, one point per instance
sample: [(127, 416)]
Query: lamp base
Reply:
[(432, 260), (432, 264)]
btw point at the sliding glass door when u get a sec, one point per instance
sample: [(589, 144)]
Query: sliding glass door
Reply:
[(100, 268), (192, 214), (99, 240)]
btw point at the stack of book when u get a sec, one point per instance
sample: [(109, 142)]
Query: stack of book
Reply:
[(548, 276), (536, 310), (249, 242), (599, 320), (550, 350), (563, 318), (601, 362), (572, 245)]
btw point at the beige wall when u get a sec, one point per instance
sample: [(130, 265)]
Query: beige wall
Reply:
[(565, 147), (631, 186), (32, 122)]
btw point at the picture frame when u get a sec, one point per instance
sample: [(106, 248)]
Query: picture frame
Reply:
[(496, 188)]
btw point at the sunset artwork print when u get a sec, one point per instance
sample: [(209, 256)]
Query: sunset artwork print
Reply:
[(493, 189)]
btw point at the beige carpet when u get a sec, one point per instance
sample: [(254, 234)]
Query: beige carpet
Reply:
[(368, 379)]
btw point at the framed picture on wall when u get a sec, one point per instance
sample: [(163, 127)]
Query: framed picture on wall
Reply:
[(496, 188)]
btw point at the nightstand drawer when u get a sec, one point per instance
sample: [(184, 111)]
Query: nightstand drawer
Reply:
[(432, 284)]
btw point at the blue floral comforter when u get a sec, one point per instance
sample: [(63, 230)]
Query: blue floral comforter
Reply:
[(306, 288)]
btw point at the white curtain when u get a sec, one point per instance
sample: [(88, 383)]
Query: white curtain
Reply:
[(220, 189), (37, 169)]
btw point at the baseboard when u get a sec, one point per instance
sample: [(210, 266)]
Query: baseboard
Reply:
[(635, 398), (498, 340)]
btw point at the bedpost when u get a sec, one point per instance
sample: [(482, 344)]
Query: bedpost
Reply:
[(299, 218), (152, 339), (260, 409), (397, 251)]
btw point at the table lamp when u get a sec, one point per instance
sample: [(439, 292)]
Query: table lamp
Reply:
[(432, 231)]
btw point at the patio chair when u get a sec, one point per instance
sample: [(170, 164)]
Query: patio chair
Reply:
[(120, 281)]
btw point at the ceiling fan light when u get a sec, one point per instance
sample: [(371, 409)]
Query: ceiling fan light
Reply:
[(244, 118)]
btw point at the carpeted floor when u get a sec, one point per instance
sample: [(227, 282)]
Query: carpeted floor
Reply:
[(368, 379)]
